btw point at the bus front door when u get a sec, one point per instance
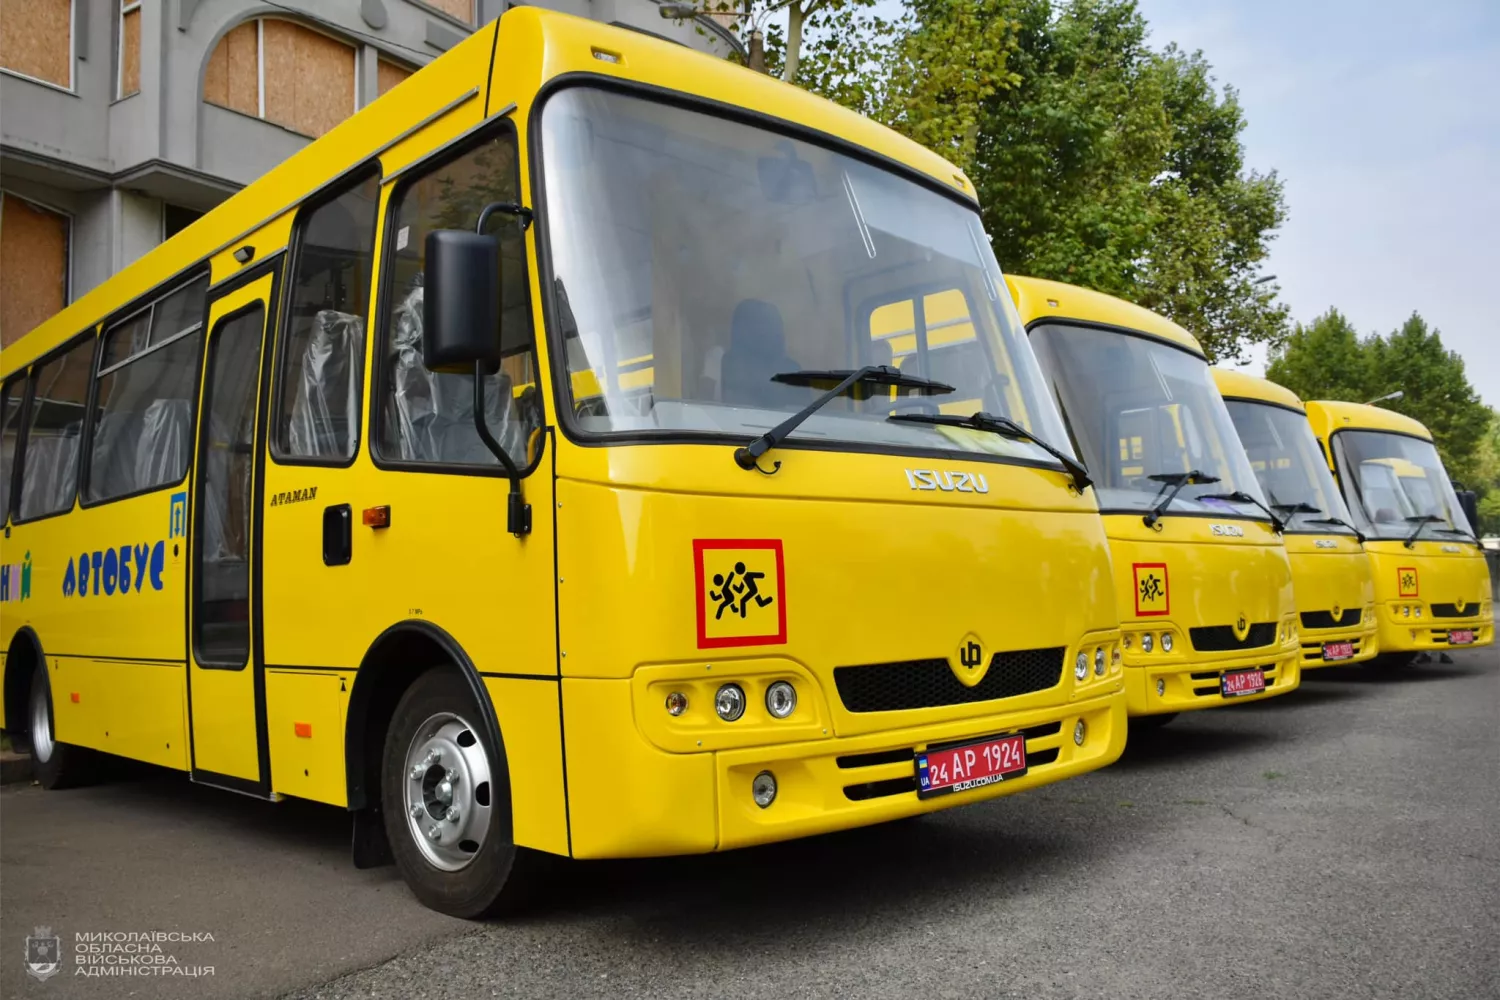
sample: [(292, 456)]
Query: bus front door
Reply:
[(226, 681)]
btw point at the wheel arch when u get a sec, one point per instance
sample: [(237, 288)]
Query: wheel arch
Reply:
[(397, 657), (21, 659)]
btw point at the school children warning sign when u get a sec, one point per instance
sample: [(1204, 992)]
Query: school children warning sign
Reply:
[(741, 592)]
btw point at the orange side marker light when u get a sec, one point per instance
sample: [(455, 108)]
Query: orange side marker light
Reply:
[(378, 517), (303, 729), (74, 697)]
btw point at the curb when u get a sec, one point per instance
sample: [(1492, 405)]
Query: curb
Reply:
[(14, 767)]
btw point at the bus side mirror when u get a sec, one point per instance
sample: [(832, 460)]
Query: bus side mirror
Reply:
[(461, 302), (1469, 501)]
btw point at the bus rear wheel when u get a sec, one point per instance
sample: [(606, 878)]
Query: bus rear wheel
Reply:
[(58, 765), (445, 804)]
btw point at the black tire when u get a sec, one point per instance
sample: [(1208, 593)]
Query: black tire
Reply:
[(1394, 661), (58, 765), (498, 877), (1146, 723)]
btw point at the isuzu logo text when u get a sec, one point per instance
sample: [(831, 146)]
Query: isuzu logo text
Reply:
[(948, 482), (1228, 530), (1325, 543)]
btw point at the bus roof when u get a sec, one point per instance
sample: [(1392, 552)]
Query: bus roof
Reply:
[(1241, 385), (541, 45), (1038, 298), (1329, 415)]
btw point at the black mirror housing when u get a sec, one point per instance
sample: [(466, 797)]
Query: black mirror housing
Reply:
[(1468, 500), (461, 302)]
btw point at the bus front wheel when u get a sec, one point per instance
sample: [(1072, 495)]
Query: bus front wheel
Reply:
[(58, 765), (446, 808)]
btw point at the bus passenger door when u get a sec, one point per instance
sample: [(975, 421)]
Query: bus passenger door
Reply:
[(226, 683)]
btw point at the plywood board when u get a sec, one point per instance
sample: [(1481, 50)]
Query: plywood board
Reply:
[(232, 76), (36, 38), (461, 9), (309, 78), (130, 53), (33, 266), (390, 74)]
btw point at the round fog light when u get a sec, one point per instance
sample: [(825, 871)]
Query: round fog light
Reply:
[(676, 703), (729, 702), (1079, 730), (1161, 687), (1099, 661), (1146, 642), (781, 699), (1081, 666), (1166, 642), (763, 789)]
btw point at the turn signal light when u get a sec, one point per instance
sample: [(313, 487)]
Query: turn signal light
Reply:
[(378, 517), (303, 729)]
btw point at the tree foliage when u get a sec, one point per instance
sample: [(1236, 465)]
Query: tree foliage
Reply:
[(1121, 168), (1327, 360)]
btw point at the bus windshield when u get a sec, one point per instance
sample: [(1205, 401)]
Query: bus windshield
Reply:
[(1290, 466), (695, 258), (1394, 483), (1144, 413)]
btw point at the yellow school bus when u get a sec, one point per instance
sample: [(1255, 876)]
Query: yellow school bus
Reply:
[(1330, 572), (1200, 572), (517, 467), (1432, 587)]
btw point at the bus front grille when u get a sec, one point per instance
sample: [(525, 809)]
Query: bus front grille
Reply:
[(909, 684), (1220, 638), (1325, 619), (1471, 610)]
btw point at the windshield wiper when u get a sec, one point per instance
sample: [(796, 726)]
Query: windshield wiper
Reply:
[(1005, 427), (1240, 496), (846, 379), (1300, 507), (1340, 521), (1421, 521), (1176, 480)]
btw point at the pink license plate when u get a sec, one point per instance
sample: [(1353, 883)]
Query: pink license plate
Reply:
[(956, 769), (1242, 682), (1460, 636), (1338, 650)]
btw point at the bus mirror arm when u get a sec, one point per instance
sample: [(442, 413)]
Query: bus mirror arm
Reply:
[(517, 510)]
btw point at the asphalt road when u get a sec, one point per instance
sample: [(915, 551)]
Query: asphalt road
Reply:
[(1343, 841)]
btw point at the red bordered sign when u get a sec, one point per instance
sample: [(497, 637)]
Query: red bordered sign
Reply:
[(741, 591)]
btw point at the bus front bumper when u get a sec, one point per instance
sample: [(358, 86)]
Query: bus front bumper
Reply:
[(1365, 639), (1152, 689), (628, 798)]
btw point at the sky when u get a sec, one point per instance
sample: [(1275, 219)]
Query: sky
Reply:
[(1383, 121)]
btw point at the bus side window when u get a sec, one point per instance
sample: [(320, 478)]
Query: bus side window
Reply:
[(11, 395), (49, 462), (143, 410), (322, 353), (428, 417)]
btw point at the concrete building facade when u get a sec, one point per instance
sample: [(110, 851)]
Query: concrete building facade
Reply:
[(121, 121)]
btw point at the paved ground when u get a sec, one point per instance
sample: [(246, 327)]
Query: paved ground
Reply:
[(1343, 842)]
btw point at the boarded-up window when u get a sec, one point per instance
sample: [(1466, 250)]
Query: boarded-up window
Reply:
[(461, 9), (390, 74), (296, 77), (36, 39), (33, 266), (130, 47), (232, 77), (309, 78)]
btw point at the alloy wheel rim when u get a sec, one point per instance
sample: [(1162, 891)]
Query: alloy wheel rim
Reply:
[(447, 791), (41, 726)]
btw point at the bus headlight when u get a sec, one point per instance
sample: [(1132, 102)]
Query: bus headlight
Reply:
[(1099, 662), (1166, 642), (1081, 665), (729, 702), (1145, 642), (781, 700), (1406, 611)]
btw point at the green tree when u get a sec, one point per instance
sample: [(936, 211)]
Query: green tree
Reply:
[(1121, 168), (1486, 480), (1323, 360)]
